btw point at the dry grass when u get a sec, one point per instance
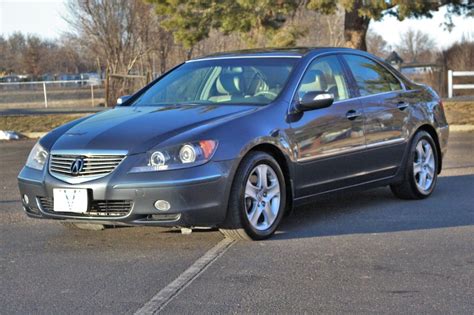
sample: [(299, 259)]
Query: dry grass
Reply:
[(36, 123), (459, 112)]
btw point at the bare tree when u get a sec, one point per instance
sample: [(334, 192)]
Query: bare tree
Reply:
[(335, 32), (319, 29), (12, 59), (4, 67), (460, 56), (124, 34), (376, 44), (68, 56), (416, 46), (35, 56), (110, 29)]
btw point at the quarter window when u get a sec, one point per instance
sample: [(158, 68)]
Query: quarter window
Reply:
[(325, 75), (371, 78)]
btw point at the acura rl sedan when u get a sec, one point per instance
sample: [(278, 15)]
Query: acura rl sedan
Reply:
[(236, 140)]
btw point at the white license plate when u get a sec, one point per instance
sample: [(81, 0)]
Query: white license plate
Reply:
[(70, 200)]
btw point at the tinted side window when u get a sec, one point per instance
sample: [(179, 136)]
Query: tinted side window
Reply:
[(325, 74), (371, 77)]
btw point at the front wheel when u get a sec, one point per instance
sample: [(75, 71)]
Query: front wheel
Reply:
[(257, 199), (421, 171)]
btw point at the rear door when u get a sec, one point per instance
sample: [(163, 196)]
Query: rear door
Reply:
[(382, 97), (330, 140)]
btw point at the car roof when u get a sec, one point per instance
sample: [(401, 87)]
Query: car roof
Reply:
[(297, 52)]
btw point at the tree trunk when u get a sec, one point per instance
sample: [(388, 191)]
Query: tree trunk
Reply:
[(189, 53), (107, 87), (355, 28), (162, 61)]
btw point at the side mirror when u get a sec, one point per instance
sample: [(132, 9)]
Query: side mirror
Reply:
[(315, 100), (122, 99)]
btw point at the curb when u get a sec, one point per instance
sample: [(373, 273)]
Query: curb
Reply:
[(461, 128), (34, 135)]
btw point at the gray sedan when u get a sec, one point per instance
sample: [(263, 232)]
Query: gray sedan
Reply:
[(236, 140)]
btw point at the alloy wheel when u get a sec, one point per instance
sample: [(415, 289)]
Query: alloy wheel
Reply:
[(262, 197), (424, 166)]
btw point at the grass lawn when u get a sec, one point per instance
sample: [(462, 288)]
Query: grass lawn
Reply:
[(459, 112), (36, 123)]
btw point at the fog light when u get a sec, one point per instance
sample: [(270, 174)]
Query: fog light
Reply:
[(162, 205), (26, 200)]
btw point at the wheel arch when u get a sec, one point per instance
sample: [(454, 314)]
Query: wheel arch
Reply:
[(432, 132)]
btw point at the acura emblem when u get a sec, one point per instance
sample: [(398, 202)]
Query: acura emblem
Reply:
[(76, 166)]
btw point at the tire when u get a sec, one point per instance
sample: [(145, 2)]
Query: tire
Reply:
[(421, 170), (84, 226), (256, 206)]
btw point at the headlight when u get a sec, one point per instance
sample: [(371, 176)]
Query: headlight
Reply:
[(37, 158), (175, 157)]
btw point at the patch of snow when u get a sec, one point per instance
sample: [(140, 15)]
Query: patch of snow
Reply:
[(9, 135)]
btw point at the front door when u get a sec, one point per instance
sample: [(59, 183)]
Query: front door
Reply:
[(330, 141)]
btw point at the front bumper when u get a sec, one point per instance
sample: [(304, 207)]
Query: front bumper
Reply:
[(198, 196)]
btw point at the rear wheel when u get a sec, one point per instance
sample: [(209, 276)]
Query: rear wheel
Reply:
[(257, 199), (421, 172)]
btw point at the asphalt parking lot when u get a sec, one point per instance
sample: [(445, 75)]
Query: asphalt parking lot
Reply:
[(365, 252)]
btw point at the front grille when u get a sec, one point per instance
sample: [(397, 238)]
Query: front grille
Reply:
[(92, 165), (110, 207), (98, 208)]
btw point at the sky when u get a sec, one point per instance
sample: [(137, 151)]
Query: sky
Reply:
[(45, 18), (40, 17), (391, 28)]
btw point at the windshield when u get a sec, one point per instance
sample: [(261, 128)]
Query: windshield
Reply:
[(255, 81)]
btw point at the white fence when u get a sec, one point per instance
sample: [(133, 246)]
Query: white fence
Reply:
[(44, 88), (452, 86)]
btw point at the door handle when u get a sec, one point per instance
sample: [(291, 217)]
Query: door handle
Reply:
[(402, 105), (352, 114)]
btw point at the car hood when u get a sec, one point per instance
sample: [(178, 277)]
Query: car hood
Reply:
[(138, 129)]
